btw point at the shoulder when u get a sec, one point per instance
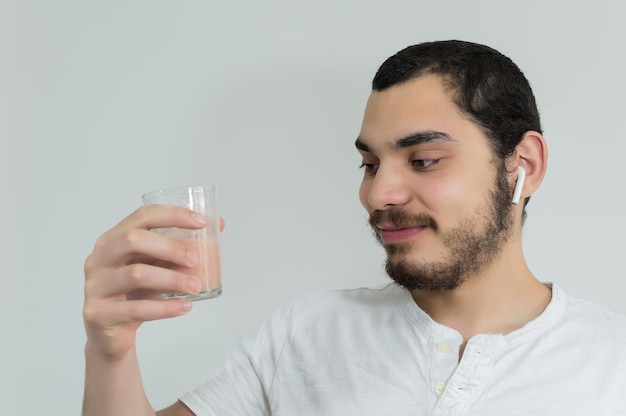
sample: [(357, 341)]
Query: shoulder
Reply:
[(347, 299), (591, 320), (590, 312), (342, 308)]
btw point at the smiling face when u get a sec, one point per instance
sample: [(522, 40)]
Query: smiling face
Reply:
[(439, 202)]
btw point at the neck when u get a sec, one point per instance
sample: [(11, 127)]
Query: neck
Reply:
[(499, 299)]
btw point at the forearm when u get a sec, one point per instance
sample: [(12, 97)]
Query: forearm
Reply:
[(114, 388)]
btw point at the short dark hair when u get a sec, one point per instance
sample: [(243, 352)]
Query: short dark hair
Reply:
[(486, 85)]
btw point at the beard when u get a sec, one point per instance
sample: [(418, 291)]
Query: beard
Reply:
[(471, 246)]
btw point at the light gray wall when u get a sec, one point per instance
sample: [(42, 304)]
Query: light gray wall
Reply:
[(102, 101)]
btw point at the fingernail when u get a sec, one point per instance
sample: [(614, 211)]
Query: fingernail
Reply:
[(185, 306), (192, 256), (194, 285), (199, 218)]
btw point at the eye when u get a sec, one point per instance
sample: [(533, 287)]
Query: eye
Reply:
[(421, 164), (370, 168)]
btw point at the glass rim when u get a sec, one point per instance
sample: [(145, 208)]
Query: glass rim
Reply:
[(175, 189)]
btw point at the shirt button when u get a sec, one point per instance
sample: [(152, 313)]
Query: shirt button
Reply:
[(443, 347), (439, 388)]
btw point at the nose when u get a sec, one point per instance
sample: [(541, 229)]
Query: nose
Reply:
[(389, 187)]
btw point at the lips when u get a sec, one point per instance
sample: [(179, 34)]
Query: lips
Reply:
[(397, 225), (394, 235)]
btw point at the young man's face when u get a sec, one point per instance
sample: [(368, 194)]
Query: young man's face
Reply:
[(438, 199)]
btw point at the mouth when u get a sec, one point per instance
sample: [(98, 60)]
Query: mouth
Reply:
[(396, 235), (397, 226)]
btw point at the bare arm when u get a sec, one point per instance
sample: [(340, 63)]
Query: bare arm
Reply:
[(122, 290), (177, 409), (114, 388), (121, 381)]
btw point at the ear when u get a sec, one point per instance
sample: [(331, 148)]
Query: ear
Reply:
[(532, 154)]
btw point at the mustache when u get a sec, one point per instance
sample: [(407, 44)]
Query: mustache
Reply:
[(400, 218)]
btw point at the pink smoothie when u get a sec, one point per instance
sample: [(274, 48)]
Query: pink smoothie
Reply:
[(207, 270)]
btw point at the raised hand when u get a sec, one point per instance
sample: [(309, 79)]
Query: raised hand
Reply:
[(124, 277)]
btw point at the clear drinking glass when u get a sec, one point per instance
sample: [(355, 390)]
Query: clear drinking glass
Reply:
[(202, 199)]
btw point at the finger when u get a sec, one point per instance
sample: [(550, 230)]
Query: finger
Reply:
[(138, 276), (155, 216), (138, 245), (111, 314), (222, 224), (150, 310), (161, 216)]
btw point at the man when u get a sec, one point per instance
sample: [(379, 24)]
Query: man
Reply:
[(450, 141)]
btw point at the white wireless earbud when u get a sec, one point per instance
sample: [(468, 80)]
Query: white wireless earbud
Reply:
[(521, 177)]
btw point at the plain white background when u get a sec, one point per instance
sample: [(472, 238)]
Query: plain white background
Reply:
[(103, 101)]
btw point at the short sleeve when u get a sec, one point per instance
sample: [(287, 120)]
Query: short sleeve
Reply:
[(242, 385)]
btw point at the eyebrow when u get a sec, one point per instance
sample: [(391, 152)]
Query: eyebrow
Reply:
[(411, 140)]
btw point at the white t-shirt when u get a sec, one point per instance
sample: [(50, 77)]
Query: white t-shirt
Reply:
[(374, 352)]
